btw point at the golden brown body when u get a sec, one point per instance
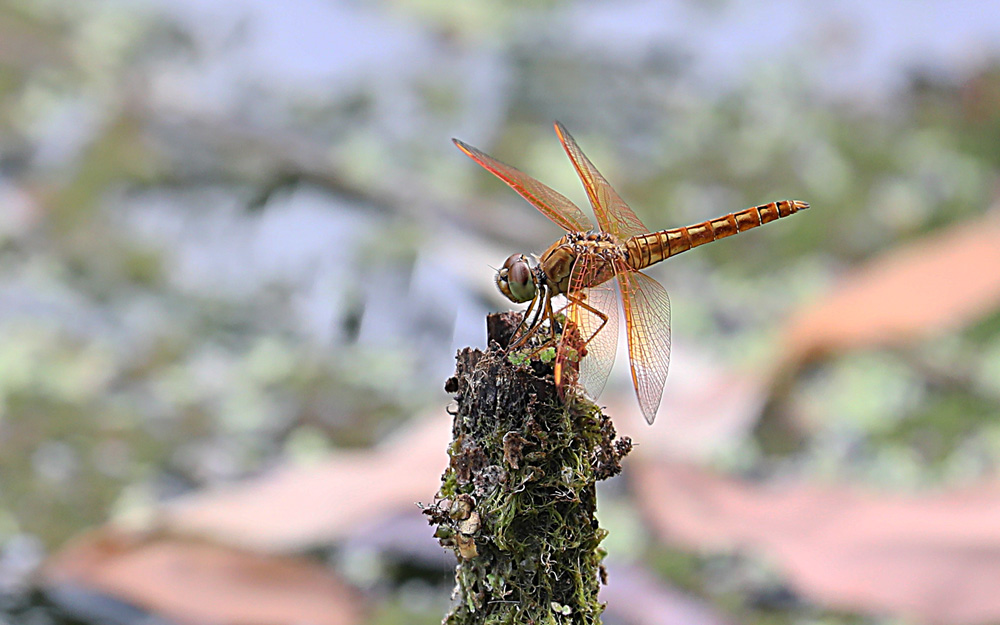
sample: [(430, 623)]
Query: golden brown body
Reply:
[(648, 249), (644, 250), (557, 261)]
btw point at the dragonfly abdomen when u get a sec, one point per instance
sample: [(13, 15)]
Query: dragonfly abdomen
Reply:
[(648, 249)]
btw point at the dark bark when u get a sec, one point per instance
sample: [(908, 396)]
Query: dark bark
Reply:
[(517, 501)]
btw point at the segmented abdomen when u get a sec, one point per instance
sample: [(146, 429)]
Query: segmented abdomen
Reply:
[(648, 249)]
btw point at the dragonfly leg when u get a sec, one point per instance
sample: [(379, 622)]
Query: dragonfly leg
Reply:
[(546, 296), (529, 328), (604, 320), (545, 299), (543, 313), (600, 315), (517, 339)]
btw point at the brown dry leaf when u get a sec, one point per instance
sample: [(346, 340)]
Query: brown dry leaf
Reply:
[(942, 282), (295, 508), (934, 558), (198, 583)]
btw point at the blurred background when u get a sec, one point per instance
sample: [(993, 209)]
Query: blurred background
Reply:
[(238, 252)]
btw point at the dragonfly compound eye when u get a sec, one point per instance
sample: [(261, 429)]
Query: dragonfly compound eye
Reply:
[(515, 280)]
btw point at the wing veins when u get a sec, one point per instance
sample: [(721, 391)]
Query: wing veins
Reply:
[(613, 214), (547, 200), (647, 319)]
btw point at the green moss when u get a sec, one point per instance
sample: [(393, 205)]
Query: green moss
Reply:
[(518, 500)]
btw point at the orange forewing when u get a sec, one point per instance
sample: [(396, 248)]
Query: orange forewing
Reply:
[(550, 202)]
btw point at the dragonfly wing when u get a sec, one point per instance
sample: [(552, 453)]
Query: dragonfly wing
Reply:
[(613, 214), (647, 319), (550, 202), (590, 333)]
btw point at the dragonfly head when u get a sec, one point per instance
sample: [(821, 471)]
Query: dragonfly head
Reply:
[(516, 279)]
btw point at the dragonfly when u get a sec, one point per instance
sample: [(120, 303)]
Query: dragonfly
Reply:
[(584, 265)]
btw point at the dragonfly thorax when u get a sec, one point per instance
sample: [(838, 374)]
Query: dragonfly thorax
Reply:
[(556, 264), (516, 279)]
